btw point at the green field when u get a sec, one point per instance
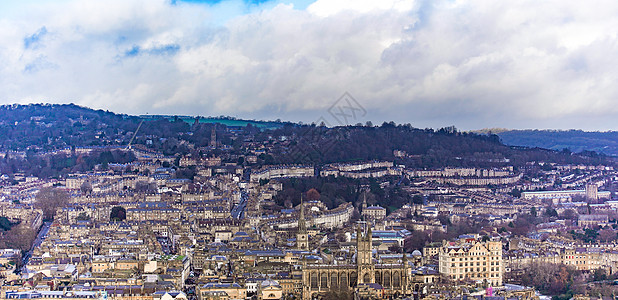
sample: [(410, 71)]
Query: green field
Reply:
[(224, 121)]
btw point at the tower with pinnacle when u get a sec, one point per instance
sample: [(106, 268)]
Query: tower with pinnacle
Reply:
[(213, 137), (364, 261), (302, 237)]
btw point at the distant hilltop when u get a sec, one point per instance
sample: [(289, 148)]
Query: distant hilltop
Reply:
[(56, 126), (226, 120), (490, 130), (572, 140)]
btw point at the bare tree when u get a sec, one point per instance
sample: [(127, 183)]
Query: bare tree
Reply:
[(313, 195), (20, 237), (49, 199), (86, 188), (607, 235)]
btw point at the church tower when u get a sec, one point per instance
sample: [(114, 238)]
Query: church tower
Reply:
[(364, 261), (213, 137), (302, 237)]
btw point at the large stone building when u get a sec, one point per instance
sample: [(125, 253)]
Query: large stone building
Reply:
[(282, 171), (373, 212), (590, 193), (591, 221), (473, 260), (393, 278)]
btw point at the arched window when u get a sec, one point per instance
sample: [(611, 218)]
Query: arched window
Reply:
[(314, 280), (343, 279), (324, 280), (334, 284), (366, 278), (387, 279), (396, 279), (378, 278)]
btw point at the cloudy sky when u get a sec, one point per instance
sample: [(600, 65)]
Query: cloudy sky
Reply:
[(432, 63)]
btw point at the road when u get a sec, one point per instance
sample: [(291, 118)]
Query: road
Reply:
[(238, 212), (37, 242)]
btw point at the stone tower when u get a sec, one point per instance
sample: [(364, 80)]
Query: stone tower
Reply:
[(213, 137), (592, 192), (364, 261), (302, 237)]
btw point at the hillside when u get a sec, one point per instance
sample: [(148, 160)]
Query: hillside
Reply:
[(37, 131), (574, 140), (425, 148)]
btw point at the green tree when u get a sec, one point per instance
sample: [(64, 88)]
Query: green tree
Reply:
[(550, 212), (83, 217), (118, 213), (5, 224), (599, 275)]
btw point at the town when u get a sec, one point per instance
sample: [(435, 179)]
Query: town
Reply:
[(225, 218)]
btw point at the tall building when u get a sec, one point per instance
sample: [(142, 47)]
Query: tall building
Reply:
[(470, 259), (364, 262), (364, 205), (592, 192), (361, 274), (302, 237), (213, 137)]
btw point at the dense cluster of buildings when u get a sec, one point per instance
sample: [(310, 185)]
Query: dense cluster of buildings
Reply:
[(149, 233)]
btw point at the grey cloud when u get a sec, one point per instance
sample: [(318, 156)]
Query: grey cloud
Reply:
[(468, 63)]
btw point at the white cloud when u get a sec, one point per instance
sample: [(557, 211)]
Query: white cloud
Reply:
[(432, 63), (326, 8)]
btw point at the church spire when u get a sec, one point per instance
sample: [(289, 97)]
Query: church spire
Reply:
[(302, 237), (364, 204), (302, 225)]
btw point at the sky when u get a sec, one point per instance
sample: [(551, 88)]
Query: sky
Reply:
[(431, 63)]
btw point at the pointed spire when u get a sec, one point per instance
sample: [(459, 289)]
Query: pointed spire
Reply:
[(364, 204), (302, 226)]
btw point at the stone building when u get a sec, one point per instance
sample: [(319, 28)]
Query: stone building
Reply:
[(472, 259), (393, 278)]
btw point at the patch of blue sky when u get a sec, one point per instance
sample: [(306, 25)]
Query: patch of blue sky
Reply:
[(169, 49), (32, 40), (225, 10), (38, 64), (134, 51)]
